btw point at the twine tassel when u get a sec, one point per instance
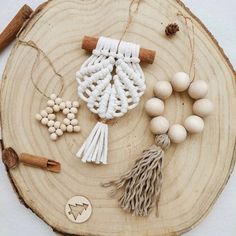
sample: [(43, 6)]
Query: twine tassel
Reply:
[(94, 148), (141, 186)]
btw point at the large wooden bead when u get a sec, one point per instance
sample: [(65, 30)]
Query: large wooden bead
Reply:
[(159, 125), (203, 107), (177, 133), (180, 82), (162, 89), (194, 124), (198, 89), (154, 107)]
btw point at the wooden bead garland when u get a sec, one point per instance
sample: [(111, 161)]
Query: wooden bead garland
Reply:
[(56, 128), (201, 108), (142, 184)]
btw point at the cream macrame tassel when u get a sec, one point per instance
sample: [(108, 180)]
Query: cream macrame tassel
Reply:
[(109, 96), (141, 186)]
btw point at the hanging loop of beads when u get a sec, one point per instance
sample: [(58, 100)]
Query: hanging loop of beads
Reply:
[(202, 107)]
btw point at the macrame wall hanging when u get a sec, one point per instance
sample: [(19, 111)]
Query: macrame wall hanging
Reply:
[(111, 82)]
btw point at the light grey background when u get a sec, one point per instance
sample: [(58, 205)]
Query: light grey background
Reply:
[(220, 18)]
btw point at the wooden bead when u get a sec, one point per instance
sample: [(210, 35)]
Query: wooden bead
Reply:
[(75, 104), (53, 96), (44, 121), (58, 101), (159, 125), (50, 123), (43, 113), (162, 89), (66, 121), (71, 116), (59, 132), (203, 107), (198, 89), (38, 117), (180, 82), (69, 128), (73, 110), (68, 104), (56, 108), (177, 133), (57, 124), (51, 103), (66, 111), (63, 127), (74, 122), (49, 110), (51, 116), (194, 124), (51, 130), (154, 107), (53, 136), (62, 105), (76, 128)]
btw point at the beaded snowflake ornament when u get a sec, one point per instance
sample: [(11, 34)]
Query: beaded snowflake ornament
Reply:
[(111, 82)]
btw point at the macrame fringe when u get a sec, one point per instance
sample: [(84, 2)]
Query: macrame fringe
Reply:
[(142, 184), (94, 148)]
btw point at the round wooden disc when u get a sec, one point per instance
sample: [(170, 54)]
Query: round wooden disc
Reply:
[(195, 172)]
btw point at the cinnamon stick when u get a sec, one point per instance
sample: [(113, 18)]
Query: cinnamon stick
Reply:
[(40, 162), (10, 32), (11, 160), (145, 55)]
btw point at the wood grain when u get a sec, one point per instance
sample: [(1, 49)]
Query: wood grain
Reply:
[(195, 172)]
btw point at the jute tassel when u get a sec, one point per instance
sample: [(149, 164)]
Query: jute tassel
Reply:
[(142, 184)]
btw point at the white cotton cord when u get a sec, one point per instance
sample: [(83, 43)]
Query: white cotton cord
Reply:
[(108, 94), (94, 148)]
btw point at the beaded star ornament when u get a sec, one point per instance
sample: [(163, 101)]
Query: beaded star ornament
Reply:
[(111, 82)]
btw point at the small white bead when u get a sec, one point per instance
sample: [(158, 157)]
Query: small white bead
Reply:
[(66, 121), (50, 123), (53, 96), (56, 108), (44, 121), (49, 110), (43, 113), (198, 89), (53, 136), (159, 125), (66, 111), (69, 128), (194, 124), (73, 110), (75, 104), (68, 104), (50, 103), (51, 116), (74, 122), (62, 105), (38, 117), (59, 132), (58, 101), (71, 116), (51, 130), (162, 89), (203, 107), (57, 124), (180, 82), (76, 128), (63, 127), (177, 133), (154, 107)]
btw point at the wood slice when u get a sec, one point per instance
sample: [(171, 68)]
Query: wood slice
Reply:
[(195, 172)]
